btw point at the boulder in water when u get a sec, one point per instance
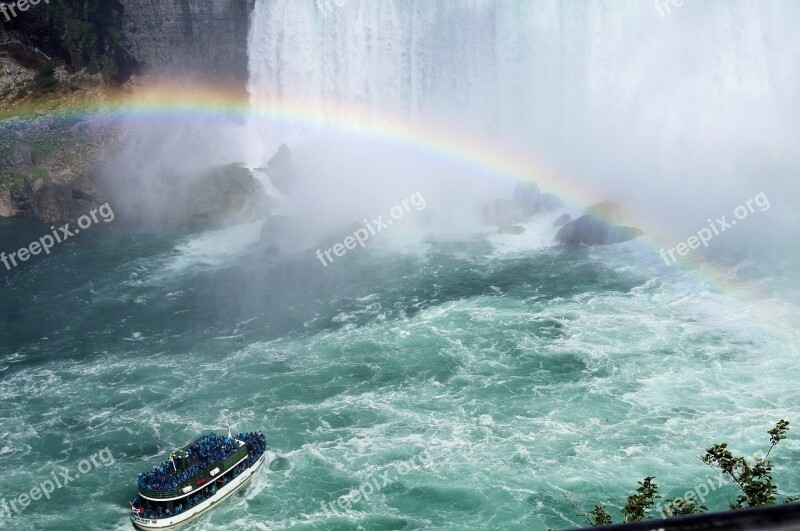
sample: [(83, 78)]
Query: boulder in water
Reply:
[(281, 171), (561, 221), (225, 195), (591, 230), (607, 210), (50, 201), (550, 202)]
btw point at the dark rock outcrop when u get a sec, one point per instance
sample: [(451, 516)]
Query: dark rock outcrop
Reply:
[(563, 220), (202, 37), (226, 195), (86, 190), (13, 203), (50, 169), (50, 202), (280, 170), (22, 154), (607, 210), (550, 202), (19, 201), (591, 230), (219, 197), (57, 198)]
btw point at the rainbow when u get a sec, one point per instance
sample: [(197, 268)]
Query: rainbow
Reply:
[(180, 101), (183, 101)]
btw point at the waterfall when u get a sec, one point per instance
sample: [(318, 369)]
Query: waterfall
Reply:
[(633, 98), (550, 63), (447, 59)]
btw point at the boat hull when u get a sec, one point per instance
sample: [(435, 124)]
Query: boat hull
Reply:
[(148, 524)]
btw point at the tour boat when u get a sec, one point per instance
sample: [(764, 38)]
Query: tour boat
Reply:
[(196, 478)]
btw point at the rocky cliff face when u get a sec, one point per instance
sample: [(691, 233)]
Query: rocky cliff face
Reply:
[(123, 37), (50, 168), (204, 37), (53, 169)]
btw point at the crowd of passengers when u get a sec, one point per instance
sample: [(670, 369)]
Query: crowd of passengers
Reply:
[(202, 453), (161, 511), (257, 445), (256, 442)]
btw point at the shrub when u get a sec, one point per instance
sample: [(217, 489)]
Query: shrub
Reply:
[(45, 78), (753, 478)]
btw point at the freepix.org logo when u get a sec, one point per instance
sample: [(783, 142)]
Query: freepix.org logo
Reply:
[(360, 236), (12, 9), (61, 478), (60, 235), (715, 228), (375, 484)]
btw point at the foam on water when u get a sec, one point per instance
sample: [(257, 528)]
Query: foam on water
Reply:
[(539, 233), (211, 250)]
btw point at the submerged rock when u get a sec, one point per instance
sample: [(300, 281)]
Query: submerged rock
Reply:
[(563, 220), (591, 230)]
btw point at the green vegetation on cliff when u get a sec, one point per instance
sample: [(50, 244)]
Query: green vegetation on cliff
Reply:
[(752, 478), (81, 33), (92, 34)]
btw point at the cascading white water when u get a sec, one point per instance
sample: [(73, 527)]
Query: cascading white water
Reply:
[(552, 63), (637, 100), (410, 58)]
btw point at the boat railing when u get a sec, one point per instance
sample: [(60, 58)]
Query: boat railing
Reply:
[(225, 465)]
